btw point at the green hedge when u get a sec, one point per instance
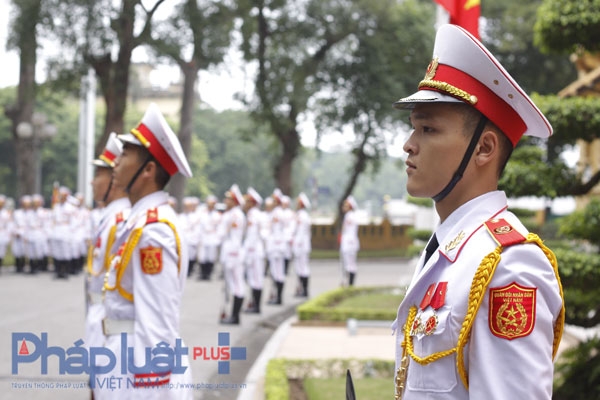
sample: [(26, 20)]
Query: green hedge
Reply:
[(276, 381), (322, 308)]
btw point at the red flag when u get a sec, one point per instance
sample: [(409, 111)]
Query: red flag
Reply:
[(464, 13)]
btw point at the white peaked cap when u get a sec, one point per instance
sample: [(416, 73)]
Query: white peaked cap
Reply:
[(277, 194), (350, 199), (235, 193), (463, 70), (255, 195), (156, 135), (304, 200), (112, 150)]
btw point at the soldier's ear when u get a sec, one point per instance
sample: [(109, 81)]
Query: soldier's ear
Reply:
[(488, 148)]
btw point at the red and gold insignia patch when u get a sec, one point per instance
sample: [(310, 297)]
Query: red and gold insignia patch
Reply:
[(512, 311), (151, 260)]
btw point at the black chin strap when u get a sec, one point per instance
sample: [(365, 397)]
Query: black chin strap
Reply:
[(138, 172), (107, 191), (463, 164)]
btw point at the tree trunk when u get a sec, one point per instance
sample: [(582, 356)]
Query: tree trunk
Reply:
[(290, 143), (188, 103), (360, 164), (26, 93), (114, 77)]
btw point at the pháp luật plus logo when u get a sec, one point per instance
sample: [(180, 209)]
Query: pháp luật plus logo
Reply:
[(223, 353)]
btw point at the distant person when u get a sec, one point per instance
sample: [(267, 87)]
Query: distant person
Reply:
[(301, 244), (484, 314), (6, 227), (276, 246), (254, 248), (208, 222), (349, 242), (190, 221), (231, 230)]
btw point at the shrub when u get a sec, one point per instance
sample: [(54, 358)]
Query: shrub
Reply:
[(321, 308)]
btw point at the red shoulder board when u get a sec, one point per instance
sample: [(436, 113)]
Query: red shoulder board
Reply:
[(152, 215), (503, 233), (120, 217)]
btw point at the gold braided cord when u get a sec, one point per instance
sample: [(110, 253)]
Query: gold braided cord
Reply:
[(560, 321), (448, 88), (90, 261), (481, 280), (109, 244), (177, 242), (409, 347), (132, 242)]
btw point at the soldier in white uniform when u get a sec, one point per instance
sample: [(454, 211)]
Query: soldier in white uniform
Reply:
[(231, 232), (301, 243), (106, 231), (82, 234), (145, 282), (254, 248), (37, 234), (483, 316), (190, 222), (209, 221), (276, 245), (287, 219), (349, 242), (45, 216), (63, 215), (6, 228), (21, 221)]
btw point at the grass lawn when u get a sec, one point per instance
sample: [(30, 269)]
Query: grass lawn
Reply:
[(334, 388)]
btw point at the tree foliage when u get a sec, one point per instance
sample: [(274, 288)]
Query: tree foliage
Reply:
[(508, 33), (566, 26), (196, 36), (359, 89), (583, 224)]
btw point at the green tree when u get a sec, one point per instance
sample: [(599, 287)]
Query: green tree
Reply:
[(24, 38), (290, 41), (201, 29), (238, 151), (369, 78), (101, 34)]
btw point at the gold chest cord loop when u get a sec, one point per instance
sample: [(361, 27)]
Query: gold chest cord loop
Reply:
[(132, 241), (481, 281)]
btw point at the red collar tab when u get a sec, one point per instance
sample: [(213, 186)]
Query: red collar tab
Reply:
[(503, 233), (152, 215)]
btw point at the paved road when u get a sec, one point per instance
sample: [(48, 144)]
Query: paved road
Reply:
[(36, 304)]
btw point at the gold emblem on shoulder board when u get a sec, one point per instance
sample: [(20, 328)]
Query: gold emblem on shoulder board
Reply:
[(431, 69), (455, 242)]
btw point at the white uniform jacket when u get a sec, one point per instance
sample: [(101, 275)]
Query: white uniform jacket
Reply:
[(302, 235), (143, 298), (254, 247), (231, 231), (509, 353), (275, 239), (349, 238)]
